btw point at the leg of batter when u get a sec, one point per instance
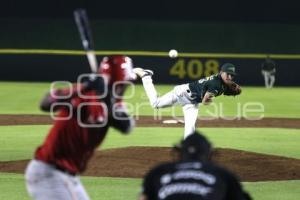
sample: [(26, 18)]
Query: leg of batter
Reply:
[(44, 182)]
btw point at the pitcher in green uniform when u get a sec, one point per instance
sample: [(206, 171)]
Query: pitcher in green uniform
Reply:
[(191, 94)]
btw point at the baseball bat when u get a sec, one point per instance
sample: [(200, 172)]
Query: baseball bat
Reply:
[(85, 33)]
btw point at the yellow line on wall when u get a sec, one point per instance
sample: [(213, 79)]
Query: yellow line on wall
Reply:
[(149, 53)]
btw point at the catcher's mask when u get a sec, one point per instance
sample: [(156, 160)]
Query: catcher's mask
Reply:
[(195, 146)]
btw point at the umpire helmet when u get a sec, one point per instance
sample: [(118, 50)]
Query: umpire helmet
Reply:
[(195, 146), (117, 68)]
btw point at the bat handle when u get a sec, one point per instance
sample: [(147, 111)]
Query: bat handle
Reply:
[(92, 61)]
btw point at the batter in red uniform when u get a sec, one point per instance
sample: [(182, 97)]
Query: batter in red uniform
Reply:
[(84, 114)]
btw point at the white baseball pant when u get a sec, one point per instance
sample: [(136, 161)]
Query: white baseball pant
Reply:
[(180, 95), (269, 78), (45, 182)]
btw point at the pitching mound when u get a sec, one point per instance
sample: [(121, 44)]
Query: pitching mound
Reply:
[(134, 162)]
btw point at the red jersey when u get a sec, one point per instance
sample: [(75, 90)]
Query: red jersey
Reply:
[(68, 144)]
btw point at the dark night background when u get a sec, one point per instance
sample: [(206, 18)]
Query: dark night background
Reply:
[(219, 10), (190, 26)]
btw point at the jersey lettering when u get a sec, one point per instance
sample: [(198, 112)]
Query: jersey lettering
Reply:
[(189, 165), (197, 175), (183, 188), (202, 80)]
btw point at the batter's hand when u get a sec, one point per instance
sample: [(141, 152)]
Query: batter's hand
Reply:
[(94, 82)]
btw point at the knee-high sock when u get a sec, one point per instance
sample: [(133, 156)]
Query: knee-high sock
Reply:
[(272, 81), (190, 112), (266, 80)]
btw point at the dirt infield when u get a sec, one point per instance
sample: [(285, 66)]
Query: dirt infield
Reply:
[(136, 161), (150, 121)]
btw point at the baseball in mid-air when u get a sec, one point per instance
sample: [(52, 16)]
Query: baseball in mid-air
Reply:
[(173, 53)]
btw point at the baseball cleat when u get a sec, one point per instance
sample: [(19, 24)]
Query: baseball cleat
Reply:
[(142, 72)]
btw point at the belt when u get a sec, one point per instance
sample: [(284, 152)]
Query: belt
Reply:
[(191, 96), (64, 170)]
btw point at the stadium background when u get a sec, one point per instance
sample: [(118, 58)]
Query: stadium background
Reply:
[(206, 34), (39, 42)]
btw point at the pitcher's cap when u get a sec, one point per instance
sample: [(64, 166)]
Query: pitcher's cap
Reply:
[(228, 68)]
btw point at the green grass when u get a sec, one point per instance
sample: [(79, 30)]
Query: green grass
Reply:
[(277, 102), (24, 98), (12, 187), (21, 98), (281, 142), (102, 188), (19, 142), (274, 190), (112, 188), (97, 187), (274, 103)]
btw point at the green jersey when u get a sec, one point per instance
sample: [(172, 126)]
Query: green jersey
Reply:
[(212, 84)]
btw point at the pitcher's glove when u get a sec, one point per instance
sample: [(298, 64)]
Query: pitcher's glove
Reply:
[(232, 89)]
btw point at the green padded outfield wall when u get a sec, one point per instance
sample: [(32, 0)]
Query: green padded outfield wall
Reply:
[(154, 36), (244, 44)]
